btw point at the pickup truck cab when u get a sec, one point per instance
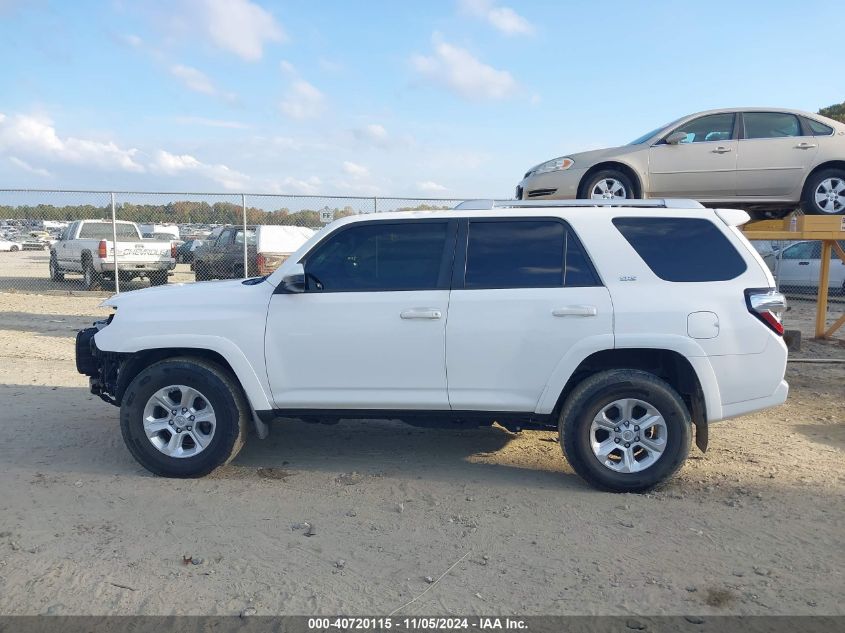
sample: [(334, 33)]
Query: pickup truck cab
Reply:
[(622, 324), (87, 247)]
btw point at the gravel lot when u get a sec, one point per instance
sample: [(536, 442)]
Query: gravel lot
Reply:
[(752, 527)]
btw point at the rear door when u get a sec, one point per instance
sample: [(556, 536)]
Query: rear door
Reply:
[(775, 154), (523, 293), (701, 166)]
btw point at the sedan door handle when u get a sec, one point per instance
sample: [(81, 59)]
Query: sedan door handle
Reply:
[(584, 311), (805, 146), (421, 313), (803, 263), (722, 150)]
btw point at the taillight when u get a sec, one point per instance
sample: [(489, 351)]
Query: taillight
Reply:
[(261, 263), (102, 250), (173, 250), (767, 304)]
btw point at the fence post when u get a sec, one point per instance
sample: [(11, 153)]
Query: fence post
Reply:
[(114, 245), (375, 204), (246, 249)]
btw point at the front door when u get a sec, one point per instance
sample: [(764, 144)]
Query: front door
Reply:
[(774, 155), (524, 294), (702, 166), (369, 330), (795, 268)]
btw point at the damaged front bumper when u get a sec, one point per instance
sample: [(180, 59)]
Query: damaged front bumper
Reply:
[(100, 367)]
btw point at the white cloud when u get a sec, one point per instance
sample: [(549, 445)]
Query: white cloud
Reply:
[(287, 67), (176, 164), (464, 74), (504, 19), (239, 26), (429, 186), (308, 186), (373, 132), (27, 167), (303, 101), (221, 123), (355, 170), (193, 79), (132, 40), (34, 136)]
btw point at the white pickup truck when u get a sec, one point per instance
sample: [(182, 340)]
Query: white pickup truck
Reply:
[(88, 247)]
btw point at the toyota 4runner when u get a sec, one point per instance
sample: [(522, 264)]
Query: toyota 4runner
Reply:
[(629, 326)]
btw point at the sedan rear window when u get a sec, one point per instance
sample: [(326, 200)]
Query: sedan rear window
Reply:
[(682, 249)]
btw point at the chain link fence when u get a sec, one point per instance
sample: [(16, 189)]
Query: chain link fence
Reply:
[(105, 242)]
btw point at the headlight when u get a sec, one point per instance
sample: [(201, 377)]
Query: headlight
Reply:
[(556, 164)]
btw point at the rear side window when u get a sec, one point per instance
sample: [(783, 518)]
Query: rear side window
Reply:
[(682, 249), (771, 125), (525, 254), (819, 129)]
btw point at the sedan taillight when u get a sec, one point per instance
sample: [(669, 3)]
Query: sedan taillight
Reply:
[(768, 305)]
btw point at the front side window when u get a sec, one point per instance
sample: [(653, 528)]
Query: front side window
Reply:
[(804, 250), (771, 125), (713, 127), (380, 256), (682, 249), (224, 238), (525, 254)]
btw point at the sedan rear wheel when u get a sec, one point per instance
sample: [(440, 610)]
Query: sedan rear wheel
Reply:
[(824, 193)]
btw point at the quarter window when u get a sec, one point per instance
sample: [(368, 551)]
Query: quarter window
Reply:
[(713, 127), (682, 249), (771, 125), (819, 129), (525, 254), (381, 256)]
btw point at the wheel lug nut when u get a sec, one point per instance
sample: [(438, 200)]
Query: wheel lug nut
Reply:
[(636, 428), (627, 444), (189, 427), (637, 439), (178, 429), (171, 422), (616, 428), (173, 411), (184, 410), (191, 418), (617, 440)]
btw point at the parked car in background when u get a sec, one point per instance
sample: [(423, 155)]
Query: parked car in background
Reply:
[(152, 229), (798, 265), (267, 248), (185, 251), (88, 247), (37, 241), (759, 159), (6, 245)]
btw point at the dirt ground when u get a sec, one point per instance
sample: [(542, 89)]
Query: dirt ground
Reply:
[(755, 526)]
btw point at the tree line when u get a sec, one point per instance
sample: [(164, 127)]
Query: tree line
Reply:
[(836, 112)]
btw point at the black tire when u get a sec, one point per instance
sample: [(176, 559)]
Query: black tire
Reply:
[(808, 198), (14, 249), (223, 393), (201, 272), (55, 273), (593, 180), (91, 279), (596, 392), (158, 278)]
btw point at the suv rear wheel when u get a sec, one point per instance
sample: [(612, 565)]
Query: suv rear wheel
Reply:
[(608, 184), (625, 430), (184, 417)]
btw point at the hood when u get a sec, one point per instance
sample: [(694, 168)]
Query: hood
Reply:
[(590, 157), (175, 294)]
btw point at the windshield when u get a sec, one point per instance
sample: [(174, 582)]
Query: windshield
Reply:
[(642, 139)]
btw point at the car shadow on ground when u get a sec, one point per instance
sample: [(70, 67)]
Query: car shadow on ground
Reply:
[(832, 434), (62, 325), (70, 418)]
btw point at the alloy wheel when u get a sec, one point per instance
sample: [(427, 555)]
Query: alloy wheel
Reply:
[(179, 421), (608, 189), (830, 195), (628, 435)]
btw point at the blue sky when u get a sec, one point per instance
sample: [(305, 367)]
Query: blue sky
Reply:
[(430, 98)]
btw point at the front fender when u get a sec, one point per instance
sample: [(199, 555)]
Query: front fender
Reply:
[(243, 369)]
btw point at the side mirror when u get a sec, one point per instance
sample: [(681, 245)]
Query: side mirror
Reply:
[(293, 284), (676, 137)]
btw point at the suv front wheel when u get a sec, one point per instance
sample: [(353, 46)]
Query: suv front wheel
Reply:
[(625, 430), (183, 417)]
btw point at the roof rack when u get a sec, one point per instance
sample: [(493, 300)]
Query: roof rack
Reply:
[(656, 203)]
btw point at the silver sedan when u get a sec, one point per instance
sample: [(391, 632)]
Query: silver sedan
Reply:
[(759, 159)]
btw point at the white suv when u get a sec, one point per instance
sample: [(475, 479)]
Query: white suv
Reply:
[(620, 323)]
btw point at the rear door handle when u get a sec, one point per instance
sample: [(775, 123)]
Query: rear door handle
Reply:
[(803, 263), (421, 313), (722, 150), (584, 311), (805, 146)]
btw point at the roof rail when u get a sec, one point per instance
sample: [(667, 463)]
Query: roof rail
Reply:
[(656, 203)]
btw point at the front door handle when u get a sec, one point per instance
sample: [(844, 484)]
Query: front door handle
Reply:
[(722, 150), (803, 263), (421, 313), (805, 146), (584, 311)]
